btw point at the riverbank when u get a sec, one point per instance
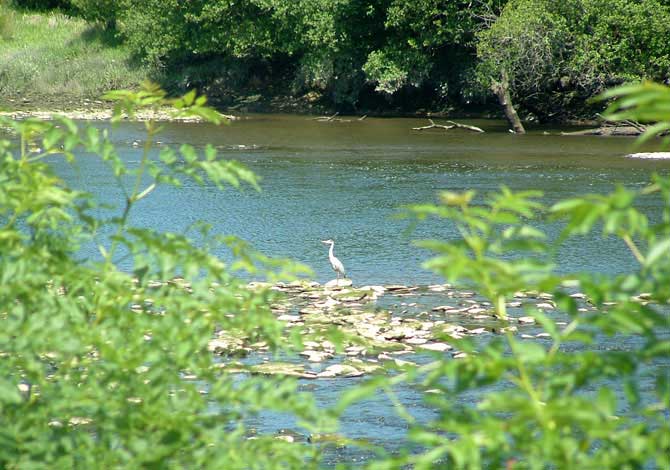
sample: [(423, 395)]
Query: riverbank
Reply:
[(104, 114), (54, 61)]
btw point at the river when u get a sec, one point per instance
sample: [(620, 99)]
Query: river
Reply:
[(346, 181)]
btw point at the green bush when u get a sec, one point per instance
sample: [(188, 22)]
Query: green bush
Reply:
[(103, 11), (559, 54), (103, 368)]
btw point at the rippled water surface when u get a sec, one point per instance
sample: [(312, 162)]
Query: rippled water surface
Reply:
[(346, 181)]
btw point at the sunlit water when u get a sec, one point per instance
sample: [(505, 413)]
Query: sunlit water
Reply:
[(346, 181)]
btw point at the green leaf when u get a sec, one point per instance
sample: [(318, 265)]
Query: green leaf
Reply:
[(657, 251)]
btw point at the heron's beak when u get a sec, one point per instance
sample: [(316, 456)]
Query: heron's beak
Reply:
[(324, 242)]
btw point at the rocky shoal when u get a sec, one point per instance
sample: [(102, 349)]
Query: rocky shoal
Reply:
[(376, 325)]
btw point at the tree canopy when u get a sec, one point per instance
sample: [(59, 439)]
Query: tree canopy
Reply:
[(392, 53)]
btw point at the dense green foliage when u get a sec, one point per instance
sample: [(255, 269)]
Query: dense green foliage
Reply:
[(376, 54), (107, 368), (559, 54), (96, 361)]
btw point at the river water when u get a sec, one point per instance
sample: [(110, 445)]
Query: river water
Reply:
[(346, 181)]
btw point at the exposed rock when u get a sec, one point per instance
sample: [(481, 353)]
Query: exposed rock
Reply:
[(310, 311), (476, 310), (415, 341), (316, 356), (478, 331), (441, 347), (282, 368), (439, 287), (527, 320), (337, 370), (290, 318), (395, 287), (338, 283), (546, 305), (483, 317), (506, 329), (379, 290), (400, 333)]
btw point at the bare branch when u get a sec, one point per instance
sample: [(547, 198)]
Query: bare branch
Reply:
[(451, 125)]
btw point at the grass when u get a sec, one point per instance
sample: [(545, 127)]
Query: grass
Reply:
[(50, 60)]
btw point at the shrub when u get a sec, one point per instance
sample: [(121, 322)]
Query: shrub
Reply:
[(103, 368)]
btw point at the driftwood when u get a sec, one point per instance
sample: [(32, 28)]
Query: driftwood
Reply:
[(334, 118), (326, 118), (625, 128), (607, 130), (451, 125)]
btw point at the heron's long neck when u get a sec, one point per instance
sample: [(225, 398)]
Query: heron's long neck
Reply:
[(330, 253)]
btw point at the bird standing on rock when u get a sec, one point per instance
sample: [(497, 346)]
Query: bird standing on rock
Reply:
[(337, 265)]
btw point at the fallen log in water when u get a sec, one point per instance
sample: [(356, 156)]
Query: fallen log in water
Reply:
[(451, 125), (608, 131)]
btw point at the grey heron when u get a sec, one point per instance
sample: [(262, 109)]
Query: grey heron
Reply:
[(337, 265)]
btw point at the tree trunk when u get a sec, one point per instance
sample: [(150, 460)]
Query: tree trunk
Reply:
[(501, 90)]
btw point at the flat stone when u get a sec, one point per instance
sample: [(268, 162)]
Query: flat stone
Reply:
[(546, 306), (476, 310), (217, 345), (511, 329), (310, 311), (316, 356), (416, 341), (440, 347), (527, 320), (482, 317), (281, 368), (338, 283), (454, 329), (400, 333), (478, 331), (289, 318), (444, 308), (329, 303), (337, 370), (379, 290), (393, 287), (465, 294)]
